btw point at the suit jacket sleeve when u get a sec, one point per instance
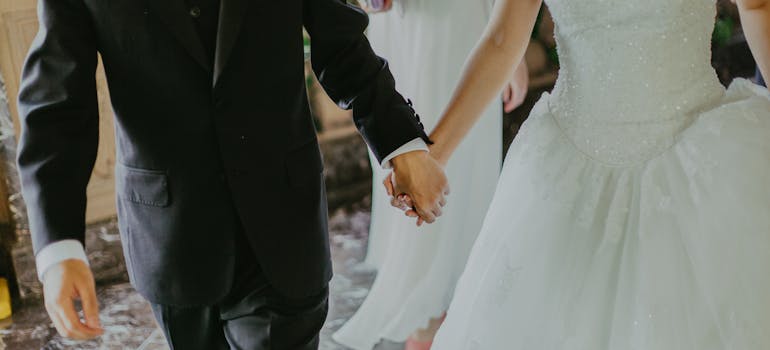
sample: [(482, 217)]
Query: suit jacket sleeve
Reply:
[(354, 77), (60, 122)]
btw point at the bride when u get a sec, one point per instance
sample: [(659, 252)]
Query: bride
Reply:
[(633, 208)]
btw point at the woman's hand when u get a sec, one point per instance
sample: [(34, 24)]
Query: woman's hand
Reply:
[(516, 90)]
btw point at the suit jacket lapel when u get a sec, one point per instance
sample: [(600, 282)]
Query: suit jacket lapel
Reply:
[(175, 15), (231, 15)]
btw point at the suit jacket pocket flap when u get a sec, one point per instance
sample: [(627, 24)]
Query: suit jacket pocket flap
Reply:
[(148, 187)]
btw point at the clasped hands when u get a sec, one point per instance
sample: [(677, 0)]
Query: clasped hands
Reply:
[(418, 186)]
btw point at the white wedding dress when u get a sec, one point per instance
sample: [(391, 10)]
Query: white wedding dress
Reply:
[(633, 210), (426, 43)]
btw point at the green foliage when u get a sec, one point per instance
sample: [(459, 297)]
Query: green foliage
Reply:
[(307, 47), (723, 31)]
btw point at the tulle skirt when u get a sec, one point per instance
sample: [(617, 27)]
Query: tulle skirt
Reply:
[(669, 254)]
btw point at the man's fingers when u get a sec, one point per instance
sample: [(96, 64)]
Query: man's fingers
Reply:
[(71, 322), (68, 324), (64, 283), (437, 211), (58, 324), (90, 306), (442, 201), (427, 216)]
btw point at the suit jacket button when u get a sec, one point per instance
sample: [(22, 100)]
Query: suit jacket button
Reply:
[(195, 12)]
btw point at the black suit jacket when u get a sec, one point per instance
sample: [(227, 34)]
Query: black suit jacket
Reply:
[(205, 149)]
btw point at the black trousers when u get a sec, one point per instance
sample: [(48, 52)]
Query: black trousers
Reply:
[(253, 317)]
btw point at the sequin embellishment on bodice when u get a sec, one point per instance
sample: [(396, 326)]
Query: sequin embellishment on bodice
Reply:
[(633, 74)]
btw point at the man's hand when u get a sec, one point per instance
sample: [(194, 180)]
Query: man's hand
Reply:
[(516, 90), (64, 283), (418, 183)]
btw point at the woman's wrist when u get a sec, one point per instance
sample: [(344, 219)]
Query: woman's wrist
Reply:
[(439, 153)]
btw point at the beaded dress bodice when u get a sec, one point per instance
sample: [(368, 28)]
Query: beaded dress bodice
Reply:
[(633, 74)]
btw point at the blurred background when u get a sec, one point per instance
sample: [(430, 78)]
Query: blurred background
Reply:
[(127, 319)]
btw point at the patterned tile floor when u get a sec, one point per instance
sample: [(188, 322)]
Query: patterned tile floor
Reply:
[(129, 324)]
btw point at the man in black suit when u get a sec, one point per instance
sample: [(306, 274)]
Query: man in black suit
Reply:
[(219, 178)]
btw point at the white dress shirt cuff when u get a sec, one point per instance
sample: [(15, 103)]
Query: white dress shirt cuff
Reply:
[(57, 252), (415, 145)]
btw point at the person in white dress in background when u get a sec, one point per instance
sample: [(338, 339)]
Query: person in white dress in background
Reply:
[(426, 42), (632, 209)]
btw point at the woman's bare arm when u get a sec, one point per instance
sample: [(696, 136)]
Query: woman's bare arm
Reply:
[(755, 17), (490, 66)]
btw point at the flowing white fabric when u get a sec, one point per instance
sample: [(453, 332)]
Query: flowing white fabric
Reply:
[(632, 210), (426, 43)]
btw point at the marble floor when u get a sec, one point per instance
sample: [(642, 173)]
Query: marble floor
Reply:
[(129, 324)]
